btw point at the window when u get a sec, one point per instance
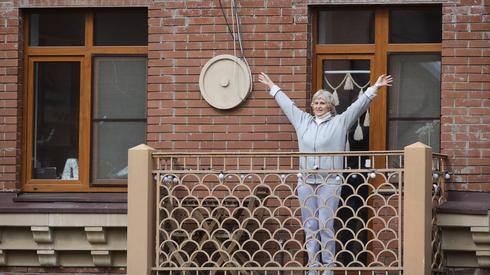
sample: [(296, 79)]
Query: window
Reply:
[(414, 101), (85, 97), (354, 45)]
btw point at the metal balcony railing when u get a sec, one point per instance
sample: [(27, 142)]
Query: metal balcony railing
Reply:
[(440, 176), (259, 213)]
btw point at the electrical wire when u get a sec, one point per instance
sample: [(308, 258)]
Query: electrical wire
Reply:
[(239, 33), (236, 36), (226, 19), (235, 19), (232, 11)]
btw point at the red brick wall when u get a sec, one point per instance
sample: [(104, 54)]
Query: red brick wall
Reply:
[(184, 35), (10, 106), (465, 105)]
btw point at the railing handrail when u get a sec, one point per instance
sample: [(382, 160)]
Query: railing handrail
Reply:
[(276, 153), (282, 171)]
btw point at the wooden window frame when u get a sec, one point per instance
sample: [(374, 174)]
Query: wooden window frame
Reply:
[(380, 52), (83, 54)]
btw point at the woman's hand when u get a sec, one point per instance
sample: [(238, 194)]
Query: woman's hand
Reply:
[(384, 80), (264, 79)]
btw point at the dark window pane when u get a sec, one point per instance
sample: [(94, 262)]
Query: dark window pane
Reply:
[(119, 117), (416, 90), (121, 27), (422, 25), (56, 28), (55, 122), (346, 27)]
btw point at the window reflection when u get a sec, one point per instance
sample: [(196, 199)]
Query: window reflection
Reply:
[(422, 25), (414, 100), (52, 28), (346, 27), (406, 132), (55, 127), (121, 27), (119, 116)]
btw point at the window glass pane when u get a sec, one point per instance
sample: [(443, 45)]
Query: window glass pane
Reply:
[(55, 122), (334, 74), (119, 117), (56, 28), (120, 87), (347, 77), (113, 139), (121, 27), (416, 88), (346, 27), (416, 25), (403, 133)]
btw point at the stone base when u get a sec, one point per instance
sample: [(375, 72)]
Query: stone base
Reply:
[(65, 240)]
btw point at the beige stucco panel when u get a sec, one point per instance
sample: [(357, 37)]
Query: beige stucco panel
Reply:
[(461, 220), (66, 259), (64, 220), (460, 239), (64, 239)]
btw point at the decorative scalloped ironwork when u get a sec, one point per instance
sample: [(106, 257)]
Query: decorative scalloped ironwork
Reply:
[(240, 213), (439, 177)]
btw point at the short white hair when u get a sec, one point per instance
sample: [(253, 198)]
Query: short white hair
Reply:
[(327, 97)]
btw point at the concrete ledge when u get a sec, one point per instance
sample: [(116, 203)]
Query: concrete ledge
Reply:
[(111, 203), (79, 259), (463, 202), (63, 220)]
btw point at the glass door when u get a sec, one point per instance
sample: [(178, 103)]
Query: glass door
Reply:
[(348, 77)]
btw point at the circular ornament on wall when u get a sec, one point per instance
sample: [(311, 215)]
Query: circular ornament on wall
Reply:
[(225, 81)]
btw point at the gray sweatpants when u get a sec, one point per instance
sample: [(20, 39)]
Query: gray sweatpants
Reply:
[(318, 205)]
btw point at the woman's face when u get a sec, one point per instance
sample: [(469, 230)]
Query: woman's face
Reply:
[(320, 107)]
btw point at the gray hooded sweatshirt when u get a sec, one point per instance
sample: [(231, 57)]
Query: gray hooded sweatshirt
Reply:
[(328, 136)]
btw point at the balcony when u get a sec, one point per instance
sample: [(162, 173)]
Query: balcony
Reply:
[(241, 213)]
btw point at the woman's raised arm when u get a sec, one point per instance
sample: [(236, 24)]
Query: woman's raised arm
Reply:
[(288, 107)]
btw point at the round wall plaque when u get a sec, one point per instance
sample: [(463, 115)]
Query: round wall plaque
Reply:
[(225, 81)]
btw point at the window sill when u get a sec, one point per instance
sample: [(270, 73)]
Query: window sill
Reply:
[(94, 203)]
